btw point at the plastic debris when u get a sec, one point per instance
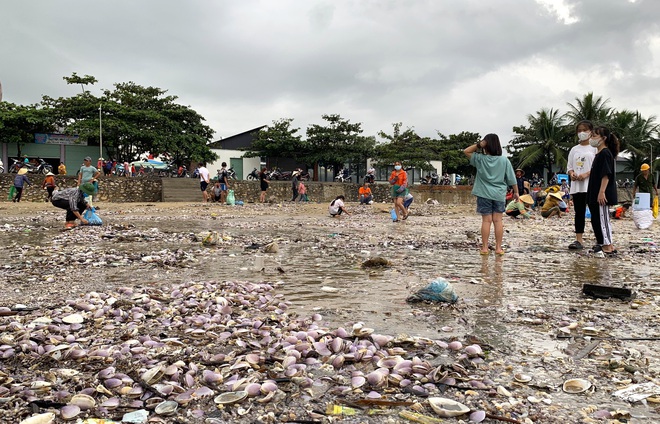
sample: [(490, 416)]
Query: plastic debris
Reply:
[(439, 290), (638, 392), (136, 417)]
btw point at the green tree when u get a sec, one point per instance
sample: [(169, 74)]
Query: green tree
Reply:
[(451, 152), (589, 108), (136, 120), (407, 147), (545, 141), (337, 142), (18, 123), (277, 140), (83, 81)]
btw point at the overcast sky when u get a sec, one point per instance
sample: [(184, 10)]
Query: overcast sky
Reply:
[(448, 66)]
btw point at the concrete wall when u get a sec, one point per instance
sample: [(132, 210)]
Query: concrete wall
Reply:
[(118, 189), (114, 189)]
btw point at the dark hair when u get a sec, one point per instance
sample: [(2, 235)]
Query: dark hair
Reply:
[(493, 146), (264, 170), (341, 196), (588, 124), (224, 164), (627, 205), (611, 141)]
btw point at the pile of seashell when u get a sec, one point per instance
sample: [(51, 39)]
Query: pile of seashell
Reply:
[(214, 351)]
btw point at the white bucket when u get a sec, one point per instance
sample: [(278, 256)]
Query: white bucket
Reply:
[(642, 202)]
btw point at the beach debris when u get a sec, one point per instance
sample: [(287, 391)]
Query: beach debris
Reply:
[(605, 292), (377, 262), (638, 392), (447, 408), (439, 290), (271, 247)]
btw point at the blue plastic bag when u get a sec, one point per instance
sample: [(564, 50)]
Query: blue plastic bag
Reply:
[(91, 217), (439, 290), (587, 213), (393, 215)]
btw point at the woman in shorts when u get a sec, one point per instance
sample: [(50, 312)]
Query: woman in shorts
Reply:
[(494, 176)]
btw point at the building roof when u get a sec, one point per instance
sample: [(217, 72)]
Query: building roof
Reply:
[(237, 141)]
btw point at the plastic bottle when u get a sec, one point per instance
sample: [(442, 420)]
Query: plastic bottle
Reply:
[(393, 215), (588, 213)]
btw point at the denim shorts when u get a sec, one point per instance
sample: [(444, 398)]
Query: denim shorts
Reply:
[(489, 206)]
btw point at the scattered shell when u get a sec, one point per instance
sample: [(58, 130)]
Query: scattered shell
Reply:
[(47, 418), (168, 407), (69, 412), (522, 378), (455, 345), (477, 416), (84, 401), (73, 319), (447, 408), (153, 375), (576, 385), (230, 397)]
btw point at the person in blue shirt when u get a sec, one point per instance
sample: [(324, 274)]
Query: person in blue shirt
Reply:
[(494, 176), (19, 182)]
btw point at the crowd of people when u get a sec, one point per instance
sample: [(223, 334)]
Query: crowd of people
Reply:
[(499, 189), (591, 190)]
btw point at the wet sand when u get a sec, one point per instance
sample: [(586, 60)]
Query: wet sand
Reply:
[(526, 306)]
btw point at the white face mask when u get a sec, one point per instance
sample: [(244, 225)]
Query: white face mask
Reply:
[(594, 142), (583, 135), (397, 167)]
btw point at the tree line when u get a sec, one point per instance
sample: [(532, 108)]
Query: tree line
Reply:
[(134, 119), (139, 119), (549, 135)]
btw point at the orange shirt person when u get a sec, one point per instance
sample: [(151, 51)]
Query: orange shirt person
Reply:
[(364, 194), (399, 183)]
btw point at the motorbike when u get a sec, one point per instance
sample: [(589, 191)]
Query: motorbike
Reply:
[(274, 174), (195, 173), (15, 166), (445, 180), (231, 174), (431, 179), (43, 167), (2, 167), (303, 175), (343, 176), (370, 178), (254, 175)]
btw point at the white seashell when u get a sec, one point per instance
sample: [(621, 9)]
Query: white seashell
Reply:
[(152, 375), (47, 418), (503, 391), (73, 319), (533, 399), (522, 378), (576, 385), (168, 407), (230, 397), (85, 402), (447, 408)]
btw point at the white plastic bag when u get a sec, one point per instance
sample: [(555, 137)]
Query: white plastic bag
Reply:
[(642, 219)]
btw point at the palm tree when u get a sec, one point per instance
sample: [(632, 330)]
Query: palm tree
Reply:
[(589, 109), (545, 140)]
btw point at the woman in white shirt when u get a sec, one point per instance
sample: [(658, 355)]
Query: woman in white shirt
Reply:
[(337, 207), (580, 159)]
